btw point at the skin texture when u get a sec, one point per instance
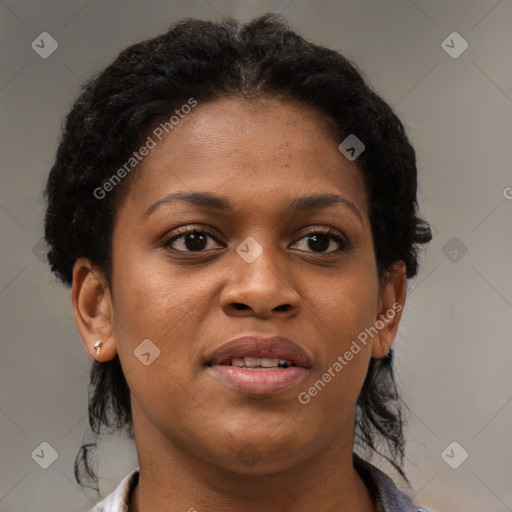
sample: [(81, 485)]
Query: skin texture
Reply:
[(190, 427)]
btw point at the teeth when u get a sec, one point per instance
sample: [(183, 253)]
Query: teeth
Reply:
[(267, 362), (252, 362), (260, 362)]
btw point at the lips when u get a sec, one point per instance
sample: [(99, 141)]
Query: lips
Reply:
[(254, 365), (255, 347)]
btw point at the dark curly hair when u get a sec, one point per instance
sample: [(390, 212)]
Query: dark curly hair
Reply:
[(207, 60)]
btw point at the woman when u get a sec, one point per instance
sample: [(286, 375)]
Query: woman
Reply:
[(235, 211)]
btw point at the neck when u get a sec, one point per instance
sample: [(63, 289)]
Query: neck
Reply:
[(175, 480)]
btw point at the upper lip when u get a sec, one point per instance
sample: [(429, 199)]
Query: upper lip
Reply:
[(257, 346)]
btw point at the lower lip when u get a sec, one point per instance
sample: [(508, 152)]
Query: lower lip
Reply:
[(259, 381)]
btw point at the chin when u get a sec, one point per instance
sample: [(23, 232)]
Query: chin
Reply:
[(262, 458)]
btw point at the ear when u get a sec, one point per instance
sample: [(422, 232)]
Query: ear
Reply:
[(92, 306), (391, 304)]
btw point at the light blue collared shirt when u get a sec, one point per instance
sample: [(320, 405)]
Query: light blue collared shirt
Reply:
[(387, 497)]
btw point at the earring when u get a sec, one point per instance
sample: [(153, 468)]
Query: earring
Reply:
[(97, 347)]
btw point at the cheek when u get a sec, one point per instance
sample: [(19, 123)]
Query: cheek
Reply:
[(159, 306), (345, 308), (149, 299), (346, 303), (165, 305), (150, 304)]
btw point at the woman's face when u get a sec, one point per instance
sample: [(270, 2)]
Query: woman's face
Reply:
[(252, 266)]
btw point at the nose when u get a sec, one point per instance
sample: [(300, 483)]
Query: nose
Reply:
[(262, 289)]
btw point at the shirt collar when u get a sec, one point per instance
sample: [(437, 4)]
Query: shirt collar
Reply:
[(119, 499), (388, 498)]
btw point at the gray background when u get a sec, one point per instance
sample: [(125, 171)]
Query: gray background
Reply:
[(454, 350)]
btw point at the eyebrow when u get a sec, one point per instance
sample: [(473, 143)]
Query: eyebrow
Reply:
[(298, 205)]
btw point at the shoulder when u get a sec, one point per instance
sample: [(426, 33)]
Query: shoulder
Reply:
[(119, 499), (386, 494)]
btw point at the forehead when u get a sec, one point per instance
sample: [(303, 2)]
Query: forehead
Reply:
[(249, 150)]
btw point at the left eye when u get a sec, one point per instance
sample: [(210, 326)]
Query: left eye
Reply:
[(191, 241), (321, 243)]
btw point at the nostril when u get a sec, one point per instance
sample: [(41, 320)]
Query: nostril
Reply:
[(282, 307), (239, 306)]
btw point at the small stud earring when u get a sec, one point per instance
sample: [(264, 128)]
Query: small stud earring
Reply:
[(97, 347)]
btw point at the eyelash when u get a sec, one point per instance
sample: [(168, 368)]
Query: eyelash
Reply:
[(343, 243)]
